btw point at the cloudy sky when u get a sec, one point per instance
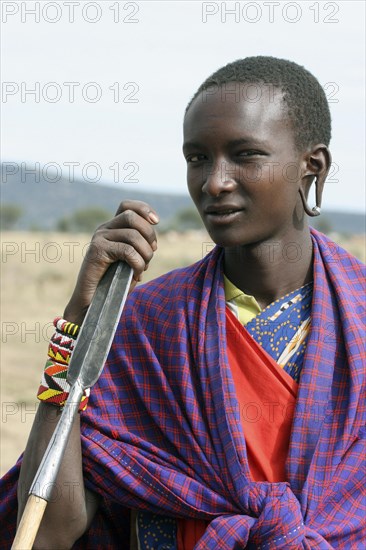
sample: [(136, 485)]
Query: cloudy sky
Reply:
[(99, 88)]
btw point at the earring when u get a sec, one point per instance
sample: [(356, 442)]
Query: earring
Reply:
[(315, 211)]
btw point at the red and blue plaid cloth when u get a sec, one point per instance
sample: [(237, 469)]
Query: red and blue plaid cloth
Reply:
[(161, 431)]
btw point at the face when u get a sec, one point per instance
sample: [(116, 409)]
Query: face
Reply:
[(244, 171)]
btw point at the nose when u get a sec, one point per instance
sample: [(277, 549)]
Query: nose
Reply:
[(218, 178)]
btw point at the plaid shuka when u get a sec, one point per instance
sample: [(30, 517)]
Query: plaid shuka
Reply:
[(161, 433)]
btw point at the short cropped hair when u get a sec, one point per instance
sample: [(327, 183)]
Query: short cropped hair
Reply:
[(304, 98)]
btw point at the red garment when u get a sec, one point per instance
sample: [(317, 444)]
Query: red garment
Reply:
[(266, 397)]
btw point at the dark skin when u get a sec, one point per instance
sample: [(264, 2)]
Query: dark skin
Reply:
[(267, 217), (241, 158), (129, 236)]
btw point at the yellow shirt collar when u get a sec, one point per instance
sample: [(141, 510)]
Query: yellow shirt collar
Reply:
[(245, 307)]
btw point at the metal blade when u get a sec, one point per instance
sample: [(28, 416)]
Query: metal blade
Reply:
[(97, 331), (87, 362)]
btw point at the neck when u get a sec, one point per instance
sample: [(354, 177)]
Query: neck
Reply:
[(270, 269)]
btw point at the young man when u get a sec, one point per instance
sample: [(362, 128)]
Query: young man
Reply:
[(230, 411)]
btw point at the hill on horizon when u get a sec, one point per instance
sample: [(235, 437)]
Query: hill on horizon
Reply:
[(44, 204)]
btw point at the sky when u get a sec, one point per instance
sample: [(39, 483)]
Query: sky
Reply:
[(97, 90)]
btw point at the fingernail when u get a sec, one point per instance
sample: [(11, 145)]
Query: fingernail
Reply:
[(153, 218), (154, 245)]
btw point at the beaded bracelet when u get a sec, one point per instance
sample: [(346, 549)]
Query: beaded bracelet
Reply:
[(66, 328), (54, 388)]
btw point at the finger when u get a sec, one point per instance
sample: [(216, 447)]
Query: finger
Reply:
[(132, 220), (102, 253), (132, 285), (141, 208), (118, 237)]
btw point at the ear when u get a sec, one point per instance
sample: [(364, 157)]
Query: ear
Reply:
[(317, 164)]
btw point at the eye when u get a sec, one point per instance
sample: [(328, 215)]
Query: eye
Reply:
[(195, 158), (250, 153)]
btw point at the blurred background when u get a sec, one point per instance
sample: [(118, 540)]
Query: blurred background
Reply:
[(93, 96)]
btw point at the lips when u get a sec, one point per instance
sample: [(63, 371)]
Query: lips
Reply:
[(223, 214), (222, 210)]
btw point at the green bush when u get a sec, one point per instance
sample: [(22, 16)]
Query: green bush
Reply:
[(84, 221), (9, 215), (185, 219)]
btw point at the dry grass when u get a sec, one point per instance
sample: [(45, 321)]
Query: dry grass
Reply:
[(38, 274)]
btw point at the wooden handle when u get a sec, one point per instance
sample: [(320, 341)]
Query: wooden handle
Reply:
[(29, 524)]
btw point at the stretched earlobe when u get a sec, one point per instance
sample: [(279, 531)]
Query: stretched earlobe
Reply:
[(318, 163), (316, 210)]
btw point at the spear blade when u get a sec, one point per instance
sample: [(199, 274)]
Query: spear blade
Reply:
[(100, 323), (87, 362)]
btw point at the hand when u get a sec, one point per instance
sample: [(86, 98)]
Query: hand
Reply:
[(129, 236)]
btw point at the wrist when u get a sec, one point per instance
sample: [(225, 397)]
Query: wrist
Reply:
[(75, 314)]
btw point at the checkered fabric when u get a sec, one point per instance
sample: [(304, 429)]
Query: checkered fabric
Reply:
[(160, 431)]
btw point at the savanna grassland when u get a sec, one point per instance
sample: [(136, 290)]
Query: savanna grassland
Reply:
[(38, 273)]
